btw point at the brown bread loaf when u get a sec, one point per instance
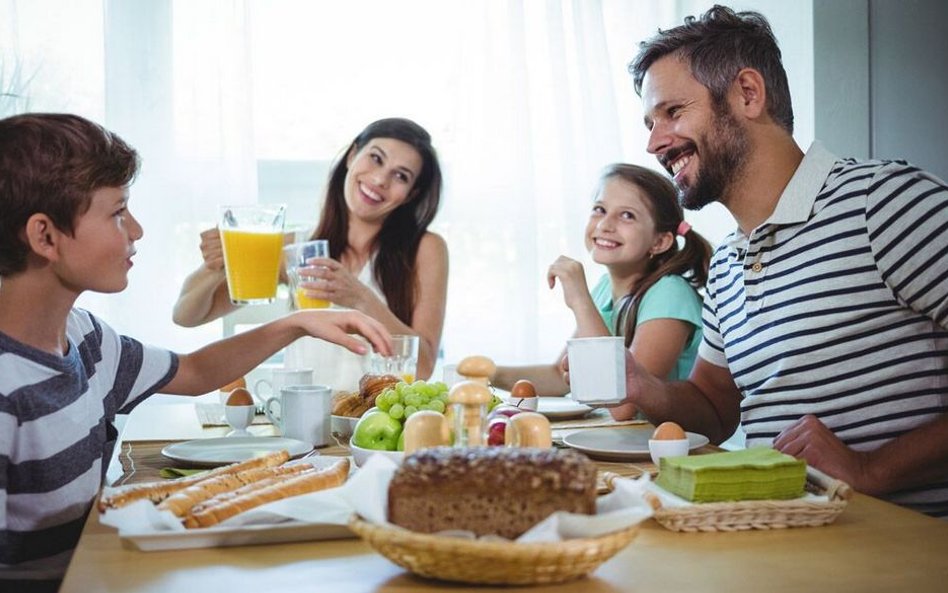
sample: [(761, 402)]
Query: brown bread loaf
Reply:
[(489, 490)]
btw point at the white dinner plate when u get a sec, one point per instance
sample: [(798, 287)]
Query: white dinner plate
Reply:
[(561, 408), (221, 451), (621, 443)]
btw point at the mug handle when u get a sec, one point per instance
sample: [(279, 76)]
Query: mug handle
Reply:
[(256, 389), (275, 417)]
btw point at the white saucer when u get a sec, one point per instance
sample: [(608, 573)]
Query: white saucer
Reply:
[(221, 451), (621, 443), (560, 408)]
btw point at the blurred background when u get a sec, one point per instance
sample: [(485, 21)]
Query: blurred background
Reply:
[(242, 101)]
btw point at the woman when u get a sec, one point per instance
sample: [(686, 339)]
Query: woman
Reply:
[(649, 293), (382, 195)]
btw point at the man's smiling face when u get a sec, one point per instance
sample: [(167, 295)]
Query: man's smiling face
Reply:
[(701, 144)]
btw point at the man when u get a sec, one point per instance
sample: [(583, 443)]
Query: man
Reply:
[(826, 311)]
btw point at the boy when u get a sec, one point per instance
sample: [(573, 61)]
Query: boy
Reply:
[(65, 228)]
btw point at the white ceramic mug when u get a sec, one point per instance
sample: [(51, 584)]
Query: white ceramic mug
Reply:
[(279, 379), (597, 369), (302, 412)]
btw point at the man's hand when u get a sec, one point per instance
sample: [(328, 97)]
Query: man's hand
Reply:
[(809, 439), (212, 250)]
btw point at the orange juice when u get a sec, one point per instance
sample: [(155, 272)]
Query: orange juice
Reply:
[(305, 302), (252, 263)]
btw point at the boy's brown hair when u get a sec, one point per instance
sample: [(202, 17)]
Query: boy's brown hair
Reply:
[(51, 163)]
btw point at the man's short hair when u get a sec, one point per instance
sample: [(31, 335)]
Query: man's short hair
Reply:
[(51, 163), (716, 47)]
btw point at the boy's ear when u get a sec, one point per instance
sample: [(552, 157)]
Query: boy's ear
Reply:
[(42, 236)]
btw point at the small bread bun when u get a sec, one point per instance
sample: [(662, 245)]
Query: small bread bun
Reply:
[(476, 366), (238, 382)]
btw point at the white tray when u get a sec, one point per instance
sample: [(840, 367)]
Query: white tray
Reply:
[(213, 537)]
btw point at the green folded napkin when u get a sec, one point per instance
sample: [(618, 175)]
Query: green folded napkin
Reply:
[(176, 472), (757, 473)]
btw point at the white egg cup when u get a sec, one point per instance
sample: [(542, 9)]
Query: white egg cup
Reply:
[(239, 418), (659, 448)]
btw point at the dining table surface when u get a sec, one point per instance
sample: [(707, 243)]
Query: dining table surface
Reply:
[(871, 546)]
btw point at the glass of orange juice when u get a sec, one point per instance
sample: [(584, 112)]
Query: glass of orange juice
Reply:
[(252, 236), (403, 363), (297, 256)]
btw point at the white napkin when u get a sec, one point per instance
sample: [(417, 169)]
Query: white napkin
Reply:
[(365, 493)]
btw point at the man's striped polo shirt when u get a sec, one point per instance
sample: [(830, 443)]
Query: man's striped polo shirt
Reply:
[(837, 306)]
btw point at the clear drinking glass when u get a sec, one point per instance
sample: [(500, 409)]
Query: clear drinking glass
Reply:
[(403, 363), (295, 257), (252, 237)]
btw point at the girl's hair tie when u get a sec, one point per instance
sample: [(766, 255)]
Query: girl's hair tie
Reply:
[(683, 228)]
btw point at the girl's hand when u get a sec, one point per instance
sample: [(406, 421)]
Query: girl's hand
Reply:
[(212, 250), (327, 279), (573, 279), (337, 326)]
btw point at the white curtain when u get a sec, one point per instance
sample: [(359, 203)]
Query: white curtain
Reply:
[(243, 100)]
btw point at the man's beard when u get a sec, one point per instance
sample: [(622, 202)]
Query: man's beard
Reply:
[(721, 162)]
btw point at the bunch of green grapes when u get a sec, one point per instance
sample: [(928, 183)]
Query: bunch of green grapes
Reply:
[(404, 399)]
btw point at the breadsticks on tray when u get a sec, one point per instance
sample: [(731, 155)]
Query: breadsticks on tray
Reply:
[(216, 510), (158, 491), (209, 498)]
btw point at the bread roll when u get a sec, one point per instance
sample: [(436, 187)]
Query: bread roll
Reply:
[(489, 490), (353, 404)]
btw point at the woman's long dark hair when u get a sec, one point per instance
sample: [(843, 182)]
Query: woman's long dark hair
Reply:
[(396, 245), (690, 261)]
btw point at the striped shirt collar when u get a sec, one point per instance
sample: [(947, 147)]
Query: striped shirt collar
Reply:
[(796, 201)]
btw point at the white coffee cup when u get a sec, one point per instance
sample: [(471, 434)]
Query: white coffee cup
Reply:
[(597, 369), (280, 378), (302, 412)]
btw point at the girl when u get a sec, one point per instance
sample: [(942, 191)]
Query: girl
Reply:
[(382, 195), (649, 293)]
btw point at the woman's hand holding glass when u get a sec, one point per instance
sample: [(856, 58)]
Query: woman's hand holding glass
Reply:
[(326, 278), (295, 258)]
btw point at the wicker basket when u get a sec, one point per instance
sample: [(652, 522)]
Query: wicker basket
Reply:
[(491, 562), (762, 514)]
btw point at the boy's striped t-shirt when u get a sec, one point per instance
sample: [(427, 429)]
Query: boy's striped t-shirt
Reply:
[(837, 306), (57, 434)]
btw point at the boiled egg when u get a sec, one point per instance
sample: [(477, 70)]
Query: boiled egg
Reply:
[(669, 431), (239, 397), (522, 389)]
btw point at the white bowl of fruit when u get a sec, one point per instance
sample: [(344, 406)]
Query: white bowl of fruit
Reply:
[(379, 430)]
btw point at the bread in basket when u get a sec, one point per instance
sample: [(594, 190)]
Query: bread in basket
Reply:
[(489, 561)]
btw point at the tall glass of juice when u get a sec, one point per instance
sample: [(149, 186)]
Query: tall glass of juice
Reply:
[(296, 256), (252, 236)]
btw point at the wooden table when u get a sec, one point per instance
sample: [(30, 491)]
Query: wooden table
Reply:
[(872, 546)]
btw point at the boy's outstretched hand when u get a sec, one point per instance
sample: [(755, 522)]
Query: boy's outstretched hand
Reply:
[(336, 326)]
